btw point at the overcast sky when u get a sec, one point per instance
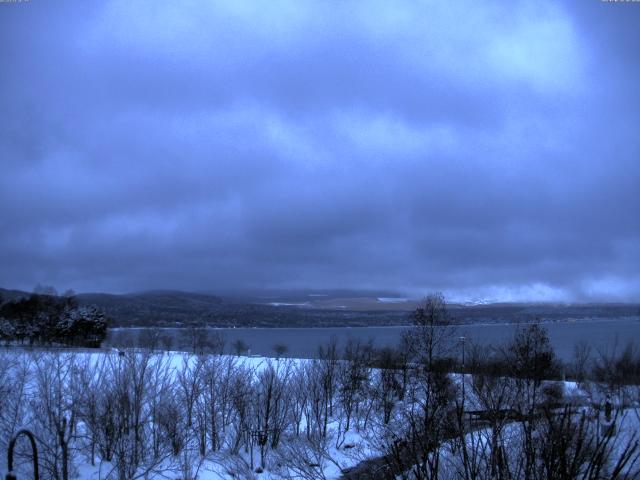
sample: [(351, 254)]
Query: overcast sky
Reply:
[(487, 149)]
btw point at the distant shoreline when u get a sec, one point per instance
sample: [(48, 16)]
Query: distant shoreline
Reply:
[(353, 327)]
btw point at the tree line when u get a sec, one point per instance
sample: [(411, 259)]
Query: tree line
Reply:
[(42, 319)]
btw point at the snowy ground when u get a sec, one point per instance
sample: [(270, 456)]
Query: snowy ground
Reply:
[(339, 451)]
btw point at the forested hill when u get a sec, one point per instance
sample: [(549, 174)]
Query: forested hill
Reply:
[(174, 309), (171, 308)]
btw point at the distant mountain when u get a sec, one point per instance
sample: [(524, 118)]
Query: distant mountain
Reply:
[(332, 308), (158, 307), (169, 299)]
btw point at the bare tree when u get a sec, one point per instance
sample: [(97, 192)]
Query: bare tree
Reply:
[(166, 341), (14, 380), (306, 458), (495, 395), (201, 340), (149, 338), (240, 347), (242, 393), (316, 408), (581, 361), (54, 411), (300, 394), (427, 419), (388, 385), (271, 406), (353, 377), (328, 356), (616, 372), (130, 384), (431, 337), (280, 349), (532, 360), (215, 405)]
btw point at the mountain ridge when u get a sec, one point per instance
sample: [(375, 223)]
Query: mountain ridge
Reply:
[(175, 308)]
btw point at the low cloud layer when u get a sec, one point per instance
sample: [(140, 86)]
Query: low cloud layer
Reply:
[(490, 150)]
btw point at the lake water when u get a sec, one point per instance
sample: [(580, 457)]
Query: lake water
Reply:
[(304, 342)]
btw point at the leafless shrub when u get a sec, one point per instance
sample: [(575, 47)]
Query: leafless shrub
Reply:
[(305, 458)]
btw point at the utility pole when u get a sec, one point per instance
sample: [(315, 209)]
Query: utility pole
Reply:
[(463, 339)]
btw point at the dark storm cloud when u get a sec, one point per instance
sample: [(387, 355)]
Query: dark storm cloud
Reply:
[(484, 149)]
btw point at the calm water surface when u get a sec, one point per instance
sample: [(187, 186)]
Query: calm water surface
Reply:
[(304, 342)]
